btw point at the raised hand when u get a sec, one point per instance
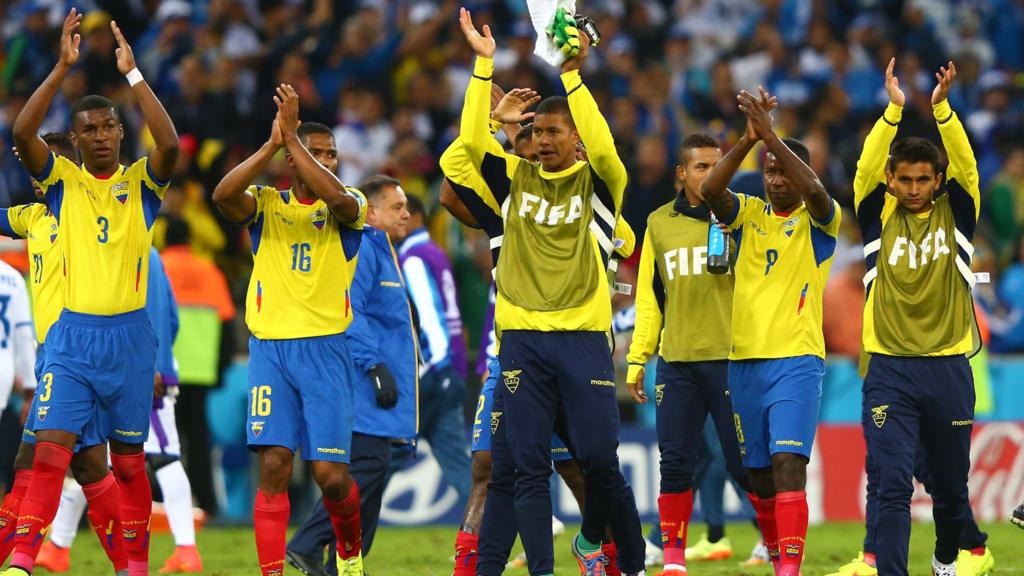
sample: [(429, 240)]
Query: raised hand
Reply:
[(892, 85), (125, 56), (484, 45), (576, 62), (945, 76), (512, 107), (769, 102), (497, 93), (759, 120), (287, 100), (276, 137), (70, 39)]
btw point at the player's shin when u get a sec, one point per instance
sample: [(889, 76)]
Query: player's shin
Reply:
[(40, 503), (9, 511), (136, 508), (791, 519), (674, 511), (346, 522), (270, 520), (104, 499), (765, 508)]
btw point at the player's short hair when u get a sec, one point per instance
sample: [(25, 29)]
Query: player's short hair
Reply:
[(62, 143), (374, 185), (307, 128), (556, 105), (913, 150), (526, 131), (92, 102), (177, 232), (694, 141), (799, 148), (415, 206)]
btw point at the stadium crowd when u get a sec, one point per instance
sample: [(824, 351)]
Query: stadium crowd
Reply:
[(389, 77)]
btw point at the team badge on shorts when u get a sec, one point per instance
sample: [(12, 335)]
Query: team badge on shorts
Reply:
[(511, 379), (659, 393), (41, 413), (495, 422), (878, 415), (257, 428)]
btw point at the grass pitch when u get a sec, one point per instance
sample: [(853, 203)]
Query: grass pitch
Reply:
[(428, 551)]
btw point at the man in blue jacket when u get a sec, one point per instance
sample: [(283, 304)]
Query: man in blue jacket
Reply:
[(382, 339)]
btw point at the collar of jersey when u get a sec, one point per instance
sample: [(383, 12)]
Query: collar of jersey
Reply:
[(118, 172), (562, 174)]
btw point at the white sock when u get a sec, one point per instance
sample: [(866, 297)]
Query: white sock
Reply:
[(178, 503), (69, 514)]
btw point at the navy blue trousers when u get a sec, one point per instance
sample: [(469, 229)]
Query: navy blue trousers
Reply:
[(912, 403)]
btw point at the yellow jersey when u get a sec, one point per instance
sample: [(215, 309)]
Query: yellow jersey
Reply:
[(105, 233), (38, 226), (782, 266), (303, 264)]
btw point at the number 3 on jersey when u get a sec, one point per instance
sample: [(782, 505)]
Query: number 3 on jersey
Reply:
[(260, 400), (104, 229)]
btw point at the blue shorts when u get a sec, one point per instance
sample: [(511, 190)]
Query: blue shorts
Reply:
[(98, 371), (300, 396), (776, 406), (485, 422)]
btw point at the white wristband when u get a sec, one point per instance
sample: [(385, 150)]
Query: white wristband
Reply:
[(134, 76)]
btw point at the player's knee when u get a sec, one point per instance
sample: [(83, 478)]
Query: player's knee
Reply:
[(571, 474), (333, 479), (275, 462), (763, 482), (789, 471), (481, 468), (88, 470), (124, 449), (26, 454)]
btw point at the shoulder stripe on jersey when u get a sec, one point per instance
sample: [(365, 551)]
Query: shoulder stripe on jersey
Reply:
[(256, 232), (831, 214), (350, 241), (497, 241), (870, 276), (157, 181), (150, 204), (284, 196), (504, 207), (47, 169), (965, 214), (5, 223), (55, 198), (824, 245)]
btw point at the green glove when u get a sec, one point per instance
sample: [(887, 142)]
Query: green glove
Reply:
[(563, 32)]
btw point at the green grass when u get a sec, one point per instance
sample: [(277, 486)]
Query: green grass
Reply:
[(427, 552)]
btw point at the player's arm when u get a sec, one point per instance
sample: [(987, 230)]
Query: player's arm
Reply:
[(592, 126), (164, 156), (800, 176), (16, 220), (232, 195), (963, 167), (34, 153), (484, 152), (875, 155), (347, 207), (648, 321), (722, 201), (454, 205)]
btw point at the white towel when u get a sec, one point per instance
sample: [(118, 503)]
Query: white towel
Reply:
[(542, 13)]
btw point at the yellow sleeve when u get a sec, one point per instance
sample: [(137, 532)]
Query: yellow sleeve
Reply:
[(151, 182), (963, 168), (624, 240), (457, 167), (260, 193), (875, 156), (495, 165), (648, 313), (360, 220), (831, 225), (596, 136), (17, 220), (741, 204)]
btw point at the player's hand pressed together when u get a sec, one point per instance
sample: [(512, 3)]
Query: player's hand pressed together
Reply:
[(769, 103), (387, 389), (125, 56), (276, 139), (70, 39), (636, 388), (287, 100), (759, 119), (945, 76), (484, 44), (892, 85), (511, 109)]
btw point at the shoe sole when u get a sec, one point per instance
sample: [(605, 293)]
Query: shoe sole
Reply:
[(1018, 521), (713, 557)]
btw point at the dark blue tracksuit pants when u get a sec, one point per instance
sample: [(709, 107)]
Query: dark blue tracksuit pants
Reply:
[(370, 465), (912, 403), (569, 377)]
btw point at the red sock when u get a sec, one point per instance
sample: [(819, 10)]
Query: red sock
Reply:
[(466, 547), (136, 508), (979, 551), (104, 499), (347, 525), (869, 559), (675, 510), (39, 505), (612, 553), (9, 512), (791, 517), (270, 519), (765, 508)]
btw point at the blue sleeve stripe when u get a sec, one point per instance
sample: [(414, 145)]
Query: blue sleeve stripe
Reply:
[(256, 233), (823, 244), (149, 172), (828, 219), (150, 204), (350, 241), (47, 170), (5, 223), (731, 216)]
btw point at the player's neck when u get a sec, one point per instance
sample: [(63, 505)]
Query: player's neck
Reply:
[(691, 198), (303, 194), (101, 172)]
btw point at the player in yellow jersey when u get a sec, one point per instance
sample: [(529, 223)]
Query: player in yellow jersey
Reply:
[(553, 308), (38, 226), (101, 352), (304, 243), (784, 253)]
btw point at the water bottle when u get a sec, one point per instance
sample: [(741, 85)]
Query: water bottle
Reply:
[(718, 248)]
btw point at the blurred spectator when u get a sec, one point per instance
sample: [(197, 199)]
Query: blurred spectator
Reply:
[(1005, 206), (204, 305)]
